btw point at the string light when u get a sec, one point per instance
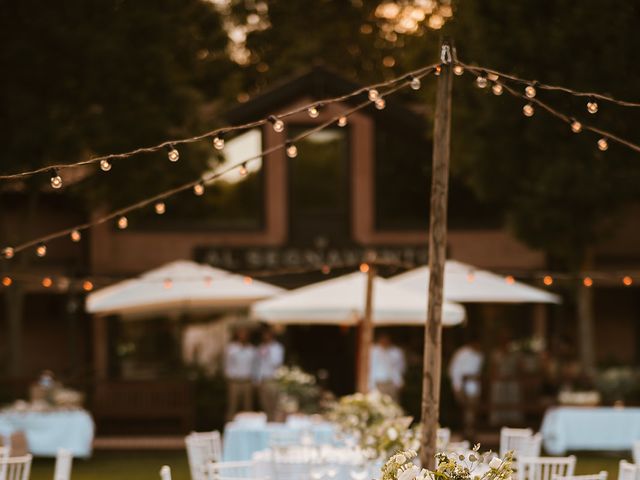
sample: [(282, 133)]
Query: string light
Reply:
[(364, 268), (8, 252), (530, 91), (326, 269), (247, 280), (7, 281), (56, 180), (528, 110), (342, 121), (47, 282), (493, 77), (198, 189), (218, 142), (75, 236), (208, 281), (105, 165), (547, 280), (291, 149), (481, 81), (587, 282), (313, 111), (380, 103), (167, 283), (123, 222), (471, 277), (576, 126), (510, 280), (437, 71), (603, 145), (41, 250), (173, 155), (415, 83), (627, 280), (373, 95), (458, 70), (87, 285), (243, 170), (497, 89), (592, 105), (277, 124), (160, 208)]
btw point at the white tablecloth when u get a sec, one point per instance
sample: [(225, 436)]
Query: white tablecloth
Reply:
[(590, 428), (241, 441), (46, 432)]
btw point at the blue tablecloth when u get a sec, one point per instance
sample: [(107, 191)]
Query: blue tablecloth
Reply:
[(590, 428), (241, 441), (46, 432)]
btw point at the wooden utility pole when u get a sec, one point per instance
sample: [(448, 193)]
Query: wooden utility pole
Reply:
[(366, 330), (437, 256)]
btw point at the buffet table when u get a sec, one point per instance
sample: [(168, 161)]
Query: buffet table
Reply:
[(590, 428), (47, 431)]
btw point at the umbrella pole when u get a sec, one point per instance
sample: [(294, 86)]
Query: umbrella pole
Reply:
[(437, 256), (365, 339)]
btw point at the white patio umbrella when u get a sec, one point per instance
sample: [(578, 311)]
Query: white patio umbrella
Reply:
[(341, 301), (180, 286), (466, 284)]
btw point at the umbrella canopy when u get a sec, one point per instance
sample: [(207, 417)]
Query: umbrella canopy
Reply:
[(180, 286), (341, 301), (465, 284)]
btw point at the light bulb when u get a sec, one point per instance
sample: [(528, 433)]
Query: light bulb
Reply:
[(75, 236), (167, 283), (528, 110), (56, 180), (243, 170), (47, 282), (471, 277), (576, 126), (481, 81), (497, 89), (492, 76), (105, 165), (587, 282), (510, 280), (8, 252), (437, 71), (627, 280), (198, 189), (123, 222), (415, 83), (247, 280), (530, 91), (160, 208), (278, 125), (292, 150), (380, 103), (7, 281), (87, 286), (208, 281), (326, 269), (373, 94), (173, 155), (603, 145), (364, 268), (547, 280), (313, 112), (218, 142), (592, 106), (458, 70), (342, 121), (41, 250)]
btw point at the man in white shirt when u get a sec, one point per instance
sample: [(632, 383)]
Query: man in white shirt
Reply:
[(465, 368), (239, 361), (269, 357), (386, 368)]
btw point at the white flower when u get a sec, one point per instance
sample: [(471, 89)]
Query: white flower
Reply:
[(392, 433), (400, 459), (423, 475), (409, 474), (495, 463)]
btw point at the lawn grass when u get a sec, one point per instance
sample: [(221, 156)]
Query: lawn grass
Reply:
[(145, 465)]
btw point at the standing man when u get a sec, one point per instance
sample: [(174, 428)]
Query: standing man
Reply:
[(465, 369), (386, 368), (239, 360), (269, 357)]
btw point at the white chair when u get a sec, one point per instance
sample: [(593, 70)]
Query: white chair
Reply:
[(202, 448), (443, 436), (596, 476), (64, 462), (165, 472), (15, 468), (510, 435), (232, 471), (462, 447), (635, 450), (530, 446), (628, 471), (545, 468)]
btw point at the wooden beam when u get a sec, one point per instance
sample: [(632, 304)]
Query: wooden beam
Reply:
[(366, 333)]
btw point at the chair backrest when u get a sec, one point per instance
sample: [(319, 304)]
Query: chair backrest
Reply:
[(443, 436), (635, 450), (165, 472), (15, 468), (526, 446), (545, 468), (462, 447), (509, 435), (202, 448), (231, 471), (64, 462), (628, 471), (596, 476)]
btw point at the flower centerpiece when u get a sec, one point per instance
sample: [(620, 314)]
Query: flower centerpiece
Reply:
[(357, 414), (298, 390)]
